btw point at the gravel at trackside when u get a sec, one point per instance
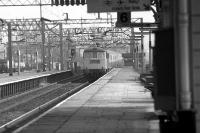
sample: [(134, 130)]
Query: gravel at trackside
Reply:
[(21, 109)]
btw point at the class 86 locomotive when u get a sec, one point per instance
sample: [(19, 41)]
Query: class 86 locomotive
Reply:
[(97, 61)]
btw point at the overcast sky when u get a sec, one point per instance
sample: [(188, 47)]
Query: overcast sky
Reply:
[(57, 12)]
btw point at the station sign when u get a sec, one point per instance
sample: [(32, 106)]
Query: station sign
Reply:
[(117, 5), (123, 19)]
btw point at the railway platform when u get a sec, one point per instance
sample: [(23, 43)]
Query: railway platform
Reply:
[(4, 78), (27, 81), (115, 103)]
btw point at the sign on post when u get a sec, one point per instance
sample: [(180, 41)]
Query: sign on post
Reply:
[(117, 5), (123, 19)]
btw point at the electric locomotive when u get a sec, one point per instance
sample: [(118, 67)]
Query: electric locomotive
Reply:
[(98, 61)]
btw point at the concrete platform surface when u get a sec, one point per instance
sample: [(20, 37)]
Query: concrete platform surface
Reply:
[(116, 103)]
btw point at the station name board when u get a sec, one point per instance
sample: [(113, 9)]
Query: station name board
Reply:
[(117, 5)]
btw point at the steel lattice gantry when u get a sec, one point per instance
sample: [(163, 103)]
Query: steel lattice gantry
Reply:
[(33, 38), (41, 2), (83, 31), (24, 2)]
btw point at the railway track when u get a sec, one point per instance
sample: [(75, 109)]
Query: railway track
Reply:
[(17, 111)]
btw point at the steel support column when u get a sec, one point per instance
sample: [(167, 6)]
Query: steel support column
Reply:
[(61, 46), (43, 43), (10, 49)]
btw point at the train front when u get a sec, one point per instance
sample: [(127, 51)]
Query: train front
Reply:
[(95, 62)]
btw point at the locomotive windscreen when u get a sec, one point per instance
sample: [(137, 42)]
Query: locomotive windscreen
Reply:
[(94, 54)]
